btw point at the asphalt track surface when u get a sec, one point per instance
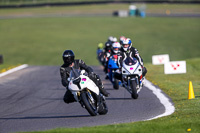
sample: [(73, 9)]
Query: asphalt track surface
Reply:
[(31, 100)]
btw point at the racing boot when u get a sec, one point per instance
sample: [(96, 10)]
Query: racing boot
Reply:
[(103, 91), (68, 97), (101, 87)]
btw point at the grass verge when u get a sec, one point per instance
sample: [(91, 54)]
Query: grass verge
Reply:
[(6, 67), (42, 40)]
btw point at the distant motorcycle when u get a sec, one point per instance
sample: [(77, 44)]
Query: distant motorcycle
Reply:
[(86, 92), (100, 53), (132, 76), (100, 56), (112, 68)]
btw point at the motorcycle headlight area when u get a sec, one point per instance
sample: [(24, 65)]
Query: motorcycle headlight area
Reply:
[(127, 70)]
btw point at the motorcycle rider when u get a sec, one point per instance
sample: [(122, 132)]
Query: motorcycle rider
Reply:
[(100, 55), (116, 53), (99, 48), (107, 52), (69, 62), (108, 44), (115, 50), (128, 50)]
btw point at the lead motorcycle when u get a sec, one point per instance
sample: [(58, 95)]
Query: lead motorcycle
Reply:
[(132, 78), (86, 92)]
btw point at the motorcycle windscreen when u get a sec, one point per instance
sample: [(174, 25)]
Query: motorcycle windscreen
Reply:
[(74, 73), (129, 61)]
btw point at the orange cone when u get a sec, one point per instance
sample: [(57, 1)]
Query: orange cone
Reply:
[(190, 91)]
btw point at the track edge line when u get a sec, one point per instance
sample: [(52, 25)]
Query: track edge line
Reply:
[(169, 107), (13, 70)]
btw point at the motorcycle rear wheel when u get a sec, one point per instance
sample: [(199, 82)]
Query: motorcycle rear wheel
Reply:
[(92, 109), (134, 94)]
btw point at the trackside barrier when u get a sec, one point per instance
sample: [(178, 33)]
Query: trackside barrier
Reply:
[(137, 11), (132, 12)]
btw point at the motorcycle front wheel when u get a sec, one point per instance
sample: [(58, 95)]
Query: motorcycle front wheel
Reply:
[(103, 109), (116, 84), (90, 107), (134, 94)]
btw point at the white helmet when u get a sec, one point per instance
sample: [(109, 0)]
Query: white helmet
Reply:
[(121, 39), (114, 39), (128, 42), (110, 38), (116, 47)]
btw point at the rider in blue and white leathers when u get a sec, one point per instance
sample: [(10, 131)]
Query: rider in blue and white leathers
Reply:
[(128, 51)]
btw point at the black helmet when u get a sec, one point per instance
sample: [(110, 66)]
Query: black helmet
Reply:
[(68, 57)]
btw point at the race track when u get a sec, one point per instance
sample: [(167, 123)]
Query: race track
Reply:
[(31, 100)]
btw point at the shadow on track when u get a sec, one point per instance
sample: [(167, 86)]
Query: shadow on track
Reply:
[(119, 99), (46, 117)]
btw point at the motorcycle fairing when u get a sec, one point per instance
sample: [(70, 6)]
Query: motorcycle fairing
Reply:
[(112, 64), (134, 69), (85, 82)]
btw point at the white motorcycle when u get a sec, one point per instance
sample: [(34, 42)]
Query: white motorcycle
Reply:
[(132, 78), (86, 92)]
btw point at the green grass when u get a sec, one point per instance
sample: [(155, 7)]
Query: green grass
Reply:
[(41, 41)]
